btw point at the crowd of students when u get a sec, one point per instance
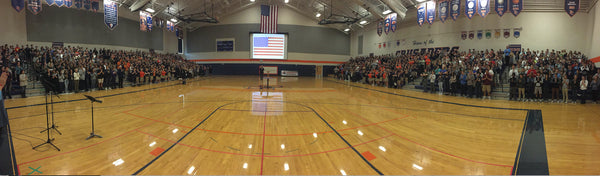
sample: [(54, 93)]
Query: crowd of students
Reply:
[(532, 75), (74, 69)]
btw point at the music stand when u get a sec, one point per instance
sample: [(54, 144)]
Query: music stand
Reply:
[(49, 89), (92, 100)]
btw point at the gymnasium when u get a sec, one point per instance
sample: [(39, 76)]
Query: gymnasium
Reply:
[(300, 87)]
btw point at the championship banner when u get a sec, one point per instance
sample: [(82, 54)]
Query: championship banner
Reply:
[(483, 7), (488, 34), (380, 27), (78, 4), (95, 5), (87, 4), (143, 17), (386, 26), (516, 6), (59, 3), (470, 8), (18, 5), (111, 14), (506, 33), (455, 12), (170, 26), (471, 35), (34, 6), (393, 21), (517, 32), (68, 3), (50, 2), (149, 21), (430, 12), (421, 13), (497, 34), (479, 34), (571, 7), (500, 7), (463, 35), (443, 11)]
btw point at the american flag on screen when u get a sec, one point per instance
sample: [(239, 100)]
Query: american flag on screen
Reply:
[(268, 19), (269, 46)]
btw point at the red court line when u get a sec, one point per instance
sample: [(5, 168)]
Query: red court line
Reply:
[(432, 149), (256, 134), (63, 153), (262, 156)]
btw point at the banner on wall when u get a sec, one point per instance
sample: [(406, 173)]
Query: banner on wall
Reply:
[(463, 35), (430, 12), (18, 5), (170, 26), (471, 35), (517, 32), (68, 3), (470, 7), (393, 21), (145, 21), (500, 7), (386, 26), (497, 34), (34, 6), (78, 4), (50, 2), (59, 3), (380, 27), (111, 14), (506, 33), (443, 10), (479, 34), (96, 5), (87, 4), (516, 6), (483, 7), (421, 12), (571, 7), (455, 11), (488, 34), (384, 45)]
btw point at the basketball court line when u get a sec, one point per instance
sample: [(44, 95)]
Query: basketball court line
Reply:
[(110, 95)]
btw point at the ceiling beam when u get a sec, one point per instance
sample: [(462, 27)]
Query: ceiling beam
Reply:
[(396, 7)]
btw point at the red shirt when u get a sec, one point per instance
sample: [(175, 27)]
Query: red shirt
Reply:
[(142, 74)]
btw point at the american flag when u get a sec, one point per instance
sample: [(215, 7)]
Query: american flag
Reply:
[(268, 19), (269, 46)]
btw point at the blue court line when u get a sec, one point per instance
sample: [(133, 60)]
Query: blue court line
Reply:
[(532, 158), (180, 139), (425, 99), (111, 95)]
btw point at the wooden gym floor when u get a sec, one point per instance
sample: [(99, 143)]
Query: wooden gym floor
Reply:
[(304, 126)]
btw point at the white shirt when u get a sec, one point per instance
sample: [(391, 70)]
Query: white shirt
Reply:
[(75, 76), (583, 84)]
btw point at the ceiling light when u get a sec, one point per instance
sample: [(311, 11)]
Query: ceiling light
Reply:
[(150, 10), (347, 29), (174, 20), (286, 1), (420, 0), (251, 0), (318, 15), (363, 22), (387, 11)]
